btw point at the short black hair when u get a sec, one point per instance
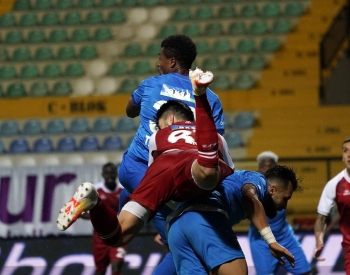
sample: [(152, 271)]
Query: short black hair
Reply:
[(284, 175), (346, 140), (109, 165), (180, 47), (178, 108)]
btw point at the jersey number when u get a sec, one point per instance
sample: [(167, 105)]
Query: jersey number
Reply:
[(186, 135)]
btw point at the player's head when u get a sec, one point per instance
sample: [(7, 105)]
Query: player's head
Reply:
[(346, 153), (266, 160), (177, 52), (282, 182), (173, 111), (109, 173)]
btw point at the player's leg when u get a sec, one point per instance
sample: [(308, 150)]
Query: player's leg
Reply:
[(205, 169), (289, 241), (116, 256), (166, 266), (113, 231), (346, 254), (101, 258)]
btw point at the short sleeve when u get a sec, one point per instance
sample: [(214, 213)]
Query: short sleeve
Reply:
[(138, 94)]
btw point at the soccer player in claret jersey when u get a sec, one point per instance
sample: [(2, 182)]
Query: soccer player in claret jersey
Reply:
[(188, 166), (109, 191), (337, 190)]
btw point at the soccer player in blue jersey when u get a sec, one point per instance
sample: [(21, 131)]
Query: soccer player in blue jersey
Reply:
[(175, 60), (264, 263), (200, 236)]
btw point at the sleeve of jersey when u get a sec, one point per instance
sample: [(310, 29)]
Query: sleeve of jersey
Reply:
[(138, 94), (151, 147), (225, 152), (217, 111), (327, 197), (258, 181)]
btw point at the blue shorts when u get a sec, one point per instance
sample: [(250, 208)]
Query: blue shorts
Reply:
[(266, 264), (201, 241), (131, 172)]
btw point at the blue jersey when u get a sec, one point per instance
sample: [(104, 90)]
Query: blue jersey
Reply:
[(155, 91), (228, 195)]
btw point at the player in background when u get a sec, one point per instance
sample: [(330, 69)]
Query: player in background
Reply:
[(337, 190), (201, 238), (264, 262), (109, 191), (175, 61)]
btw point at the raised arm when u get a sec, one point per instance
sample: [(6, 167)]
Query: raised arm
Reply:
[(256, 214)]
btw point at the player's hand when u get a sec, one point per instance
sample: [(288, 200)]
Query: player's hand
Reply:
[(278, 251), (158, 239), (318, 251)]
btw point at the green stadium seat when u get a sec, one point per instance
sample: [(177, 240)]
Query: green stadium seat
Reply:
[(39, 89), (216, 1), (221, 46), (141, 67), (236, 1), (249, 10), (55, 126), (256, 62), (13, 37), (227, 12), (102, 125), (43, 54), (269, 45), (7, 72), (80, 35), (28, 20), (202, 47), (74, 70), (102, 34), (191, 2), (233, 63), (116, 17), (211, 64), (132, 50), (32, 127), (36, 36), (213, 29), (152, 49), (84, 4), (118, 68), (61, 88), (88, 52), (65, 53), (128, 85), (281, 26), (64, 4), (182, 14), (258, 27), (243, 82), (29, 71), (234, 140), (270, 10), (129, 3), (94, 17), (43, 4), (51, 71), (167, 30), (245, 45), (106, 3), (294, 9), (204, 13), (9, 128), (58, 35), (7, 20), (150, 3), (50, 19), (22, 5), (1, 91), (3, 55), (191, 30), (171, 2), (72, 18), (237, 28), (21, 54), (15, 90), (221, 82)]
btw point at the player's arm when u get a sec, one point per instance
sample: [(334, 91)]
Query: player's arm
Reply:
[(319, 230), (256, 214), (131, 109)]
